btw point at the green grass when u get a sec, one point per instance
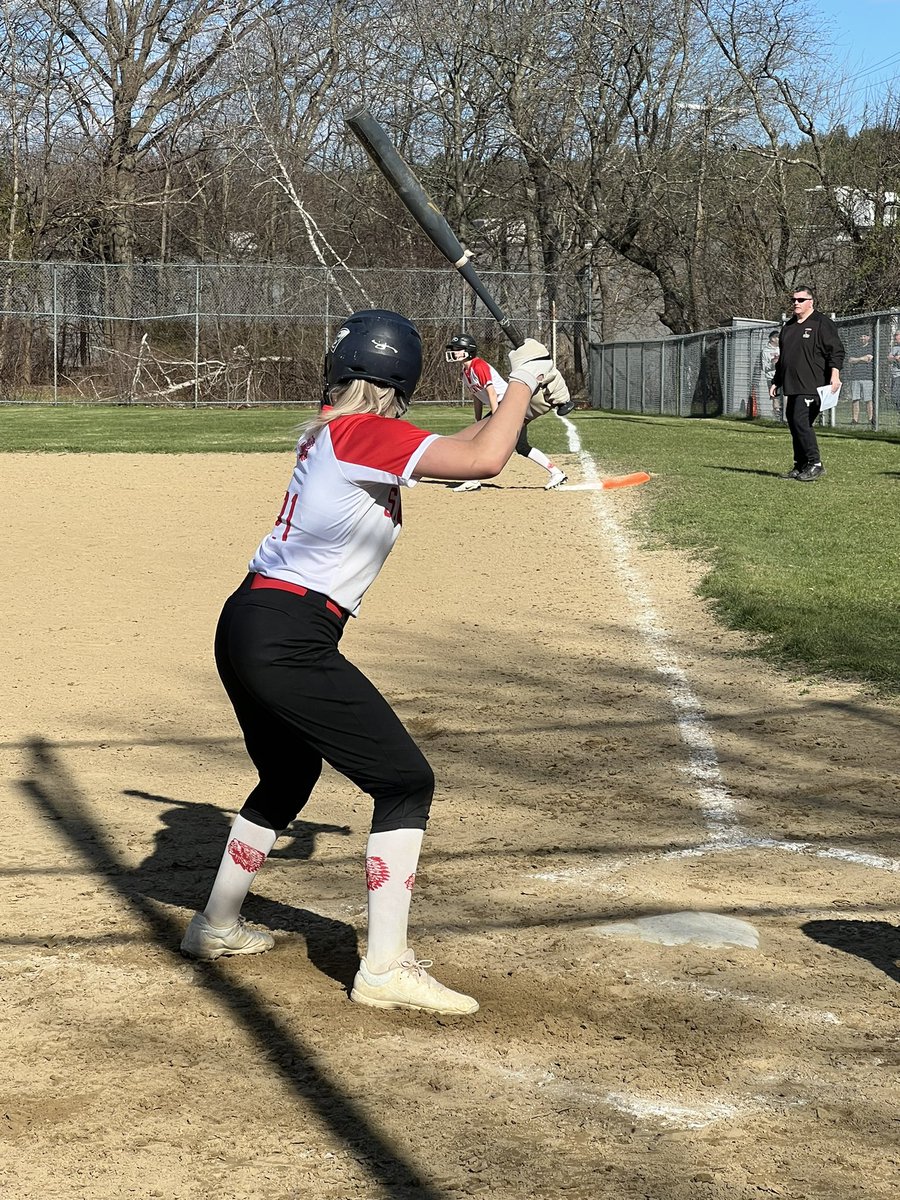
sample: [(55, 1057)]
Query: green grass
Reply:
[(136, 430), (100, 429), (814, 568)]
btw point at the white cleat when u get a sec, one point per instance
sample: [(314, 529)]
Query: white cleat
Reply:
[(556, 478), (407, 984), (471, 485), (203, 941)]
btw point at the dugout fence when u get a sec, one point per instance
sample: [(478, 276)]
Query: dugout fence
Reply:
[(722, 372), (243, 334)]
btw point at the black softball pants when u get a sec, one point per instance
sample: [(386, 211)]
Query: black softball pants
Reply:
[(800, 418), (299, 701)]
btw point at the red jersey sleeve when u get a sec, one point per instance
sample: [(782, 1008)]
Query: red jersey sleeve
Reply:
[(480, 372), (378, 449)]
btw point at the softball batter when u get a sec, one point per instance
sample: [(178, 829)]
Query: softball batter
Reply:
[(488, 387), (297, 699)]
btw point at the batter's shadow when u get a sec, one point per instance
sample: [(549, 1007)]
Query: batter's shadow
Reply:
[(185, 857), (877, 942)]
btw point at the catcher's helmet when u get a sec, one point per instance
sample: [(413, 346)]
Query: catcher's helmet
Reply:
[(377, 345), (461, 348)]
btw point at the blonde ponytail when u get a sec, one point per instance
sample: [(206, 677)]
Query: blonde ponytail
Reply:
[(357, 396)]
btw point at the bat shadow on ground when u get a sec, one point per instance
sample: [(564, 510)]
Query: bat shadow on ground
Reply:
[(185, 857), (55, 795), (875, 941)]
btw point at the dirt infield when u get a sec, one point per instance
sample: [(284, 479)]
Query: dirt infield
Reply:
[(603, 752)]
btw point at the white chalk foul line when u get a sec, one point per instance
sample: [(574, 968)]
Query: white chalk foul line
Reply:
[(718, 806), (715, 801)]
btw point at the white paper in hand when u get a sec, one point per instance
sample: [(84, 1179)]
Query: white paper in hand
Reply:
[(828, 397)]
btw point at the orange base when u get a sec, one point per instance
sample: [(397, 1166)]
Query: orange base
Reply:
[(617, 481)]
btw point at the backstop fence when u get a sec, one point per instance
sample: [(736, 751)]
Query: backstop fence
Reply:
[(243, 334), (727, 372)]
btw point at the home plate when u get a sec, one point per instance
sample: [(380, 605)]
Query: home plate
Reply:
[(682, 928)]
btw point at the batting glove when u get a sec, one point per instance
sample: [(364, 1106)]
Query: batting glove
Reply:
[(531, 364), (556, 390)]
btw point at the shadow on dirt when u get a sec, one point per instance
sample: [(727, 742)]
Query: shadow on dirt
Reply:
[(186, 853), (55, 793), (875, 941)]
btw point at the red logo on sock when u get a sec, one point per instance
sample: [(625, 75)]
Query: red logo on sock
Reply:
[(245, 856), (377, 873), (410, 882)]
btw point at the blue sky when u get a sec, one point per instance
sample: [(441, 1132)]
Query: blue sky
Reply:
[(866, 42)]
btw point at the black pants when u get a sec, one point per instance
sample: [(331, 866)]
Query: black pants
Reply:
[(299, 701), (800, 417), (523, 446)]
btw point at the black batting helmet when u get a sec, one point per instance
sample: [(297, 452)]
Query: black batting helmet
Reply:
[(377, 345), (461, 348)]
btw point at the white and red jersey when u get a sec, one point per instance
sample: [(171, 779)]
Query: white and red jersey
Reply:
[(341, 513), (478, 374)]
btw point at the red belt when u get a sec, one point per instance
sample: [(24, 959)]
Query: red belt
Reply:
[(281, 585)]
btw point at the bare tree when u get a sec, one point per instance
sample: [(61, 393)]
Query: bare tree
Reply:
[(128, 67)]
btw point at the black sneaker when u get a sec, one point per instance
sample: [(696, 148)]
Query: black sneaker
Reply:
[(811, 472), (793, 473), (563, 410)]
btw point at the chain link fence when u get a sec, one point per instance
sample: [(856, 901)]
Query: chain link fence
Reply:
[(245, 334), (727, 372)]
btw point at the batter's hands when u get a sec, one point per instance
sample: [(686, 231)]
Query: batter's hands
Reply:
[(549, 397), (556, 391), (531, 364)]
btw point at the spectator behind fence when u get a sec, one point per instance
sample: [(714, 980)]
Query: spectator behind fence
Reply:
[(810, 356), (894, 361), (768, 360), (861, 375)]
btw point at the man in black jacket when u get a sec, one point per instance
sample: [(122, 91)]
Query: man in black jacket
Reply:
[(810, 356)]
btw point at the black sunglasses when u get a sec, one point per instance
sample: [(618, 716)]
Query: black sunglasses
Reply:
[(800, 299)]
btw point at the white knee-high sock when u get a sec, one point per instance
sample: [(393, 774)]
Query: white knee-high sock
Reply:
[(391, 861), (247, 849), (540, 458)]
